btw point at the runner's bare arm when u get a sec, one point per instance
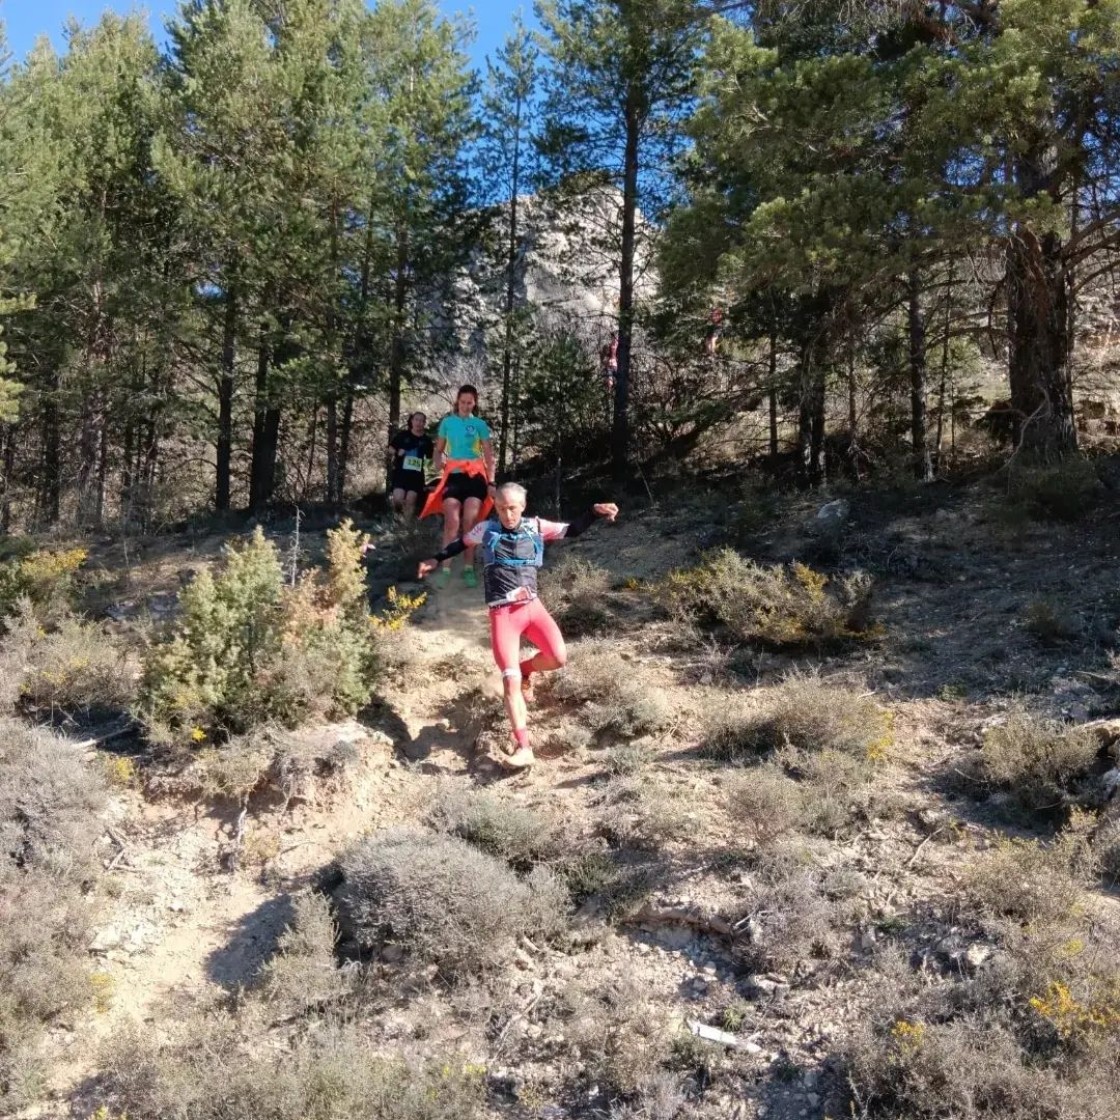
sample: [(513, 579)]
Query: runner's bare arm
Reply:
[(489, 459), (557, 530), (451, 550), (437, 457)]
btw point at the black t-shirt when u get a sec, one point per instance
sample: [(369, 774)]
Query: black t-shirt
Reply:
[(410, 451)]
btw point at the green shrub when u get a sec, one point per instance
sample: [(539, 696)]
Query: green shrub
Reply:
[(1038, 761), (49, 826), (444, 902), (791, 607), (247, 649), (808, 715), (333, 1073)]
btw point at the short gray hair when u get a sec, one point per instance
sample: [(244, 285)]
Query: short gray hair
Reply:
[(515, 489)]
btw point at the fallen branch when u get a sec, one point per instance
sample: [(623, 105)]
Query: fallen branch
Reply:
[(106, 737), (712, 924), (122, 856)]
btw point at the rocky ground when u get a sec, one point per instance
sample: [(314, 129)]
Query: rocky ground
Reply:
[(974, 617)]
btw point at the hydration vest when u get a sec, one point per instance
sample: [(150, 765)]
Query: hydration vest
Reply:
[(522, 547), (510, 560)]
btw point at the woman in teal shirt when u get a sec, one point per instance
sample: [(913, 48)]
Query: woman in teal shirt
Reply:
[(465, 438)]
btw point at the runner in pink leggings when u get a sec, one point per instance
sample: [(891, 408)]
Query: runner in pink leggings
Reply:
[(512, 551)]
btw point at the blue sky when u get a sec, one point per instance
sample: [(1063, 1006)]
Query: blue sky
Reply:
[(26, 20)]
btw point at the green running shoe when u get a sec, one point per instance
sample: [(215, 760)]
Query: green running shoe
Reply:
[(443, 578), (469, 578)]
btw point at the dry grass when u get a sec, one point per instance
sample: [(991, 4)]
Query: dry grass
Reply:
[(575, 592), (1028, 882), (1030, 1030), (1049, 624), (808, 715), (1040, 762), (265, 761), (643, 812), (788, 920), (623, 1038), (332, 1073), (620, 696), (1065, 492), (49, 805), (766, 802), (444, 902), (519, 836), (73, 668), (303, 974)]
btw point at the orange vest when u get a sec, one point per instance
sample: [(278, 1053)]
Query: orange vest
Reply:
[(450, 466)]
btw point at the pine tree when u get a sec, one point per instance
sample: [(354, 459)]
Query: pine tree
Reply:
[(510, 113), (223, 158), (621, 82), (418, 185)]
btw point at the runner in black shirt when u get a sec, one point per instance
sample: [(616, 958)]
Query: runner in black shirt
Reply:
[(409, 449)]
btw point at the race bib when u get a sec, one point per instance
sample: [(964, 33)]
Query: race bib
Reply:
[(413, 463)]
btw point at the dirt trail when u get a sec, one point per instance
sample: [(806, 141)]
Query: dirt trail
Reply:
[(181, 931)]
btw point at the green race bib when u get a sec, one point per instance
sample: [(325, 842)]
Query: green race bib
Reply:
[(413, 463)]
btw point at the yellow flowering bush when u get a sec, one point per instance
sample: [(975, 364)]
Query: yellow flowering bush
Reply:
[(45, 577), (780, 607)]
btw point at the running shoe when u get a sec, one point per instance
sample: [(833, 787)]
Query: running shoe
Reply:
[(443, 578), (469, 578), (521, 759)]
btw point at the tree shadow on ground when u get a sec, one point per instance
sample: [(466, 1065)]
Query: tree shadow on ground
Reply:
[(250, 943)]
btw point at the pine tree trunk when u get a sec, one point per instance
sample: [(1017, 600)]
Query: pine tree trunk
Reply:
[(128, 450), (1038, 317), (334, 490), (396, 360), (333, 494), (6, 472), (225, 403), (102, 473), (773, 392), (1038, 320), (945, 351), (511, 286), (620, 434), (50, 489), (266, 435), (345, 427), (810, 417), (360, 356), (919, 437)]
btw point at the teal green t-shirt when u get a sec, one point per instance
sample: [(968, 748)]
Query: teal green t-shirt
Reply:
[(464, 437)]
